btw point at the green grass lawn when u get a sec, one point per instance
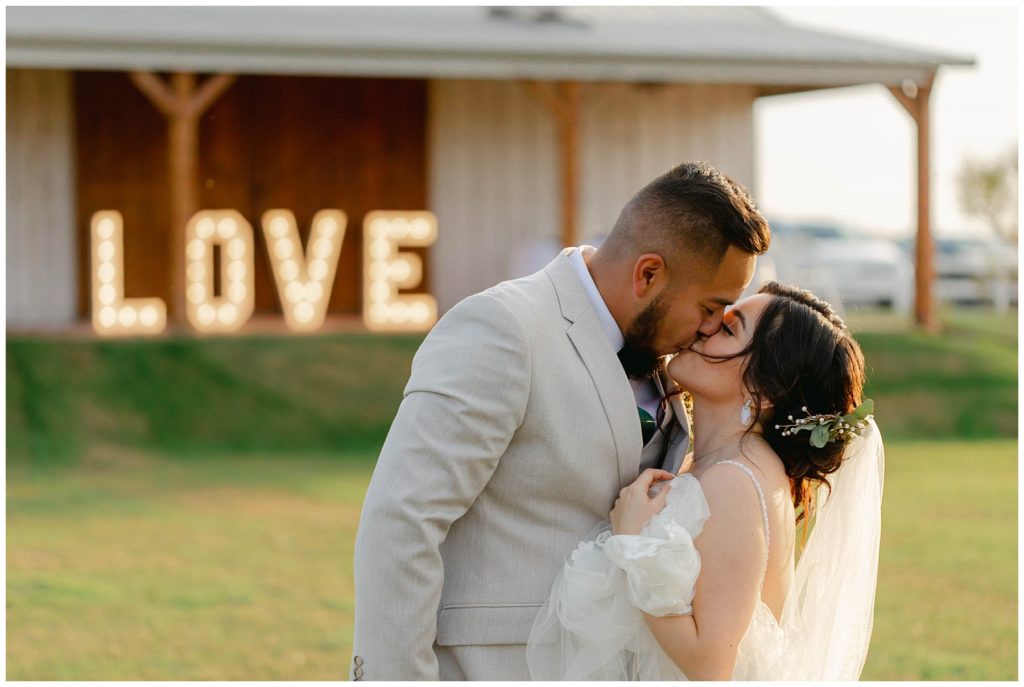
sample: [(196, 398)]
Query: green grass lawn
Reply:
[(946, 607), (137, 567), (134, 566)]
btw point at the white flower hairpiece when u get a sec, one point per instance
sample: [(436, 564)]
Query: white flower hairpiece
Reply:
[(831, 427)]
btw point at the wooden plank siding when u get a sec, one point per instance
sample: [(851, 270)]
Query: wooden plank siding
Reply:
[(41, 264), (493, 181), (300, 143), (481, 154), (494, 167), (633, 133)]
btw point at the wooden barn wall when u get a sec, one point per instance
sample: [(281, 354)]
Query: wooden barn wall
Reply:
[(41, 265), (493, 182), (300, 143), (494, 175), (485, 160), (632, 134)]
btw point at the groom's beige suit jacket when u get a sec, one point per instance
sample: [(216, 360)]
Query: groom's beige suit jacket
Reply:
[(517, 430)]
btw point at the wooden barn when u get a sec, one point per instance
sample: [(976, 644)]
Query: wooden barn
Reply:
[(520, 129)]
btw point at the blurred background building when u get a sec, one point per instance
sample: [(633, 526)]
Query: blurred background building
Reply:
[(522, 129)]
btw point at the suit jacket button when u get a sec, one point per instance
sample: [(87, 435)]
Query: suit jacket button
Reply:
[(358, 673), (358, 660)]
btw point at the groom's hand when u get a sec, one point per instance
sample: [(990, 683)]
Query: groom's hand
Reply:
[(636, 506)]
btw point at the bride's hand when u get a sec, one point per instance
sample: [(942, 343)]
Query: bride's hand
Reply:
[(635, 506)]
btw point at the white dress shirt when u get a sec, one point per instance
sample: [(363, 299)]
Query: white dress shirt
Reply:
[(646, 394)]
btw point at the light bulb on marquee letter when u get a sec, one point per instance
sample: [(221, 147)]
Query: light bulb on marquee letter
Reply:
[(304, 281), (228, 312), (112, 313), (386, 270)]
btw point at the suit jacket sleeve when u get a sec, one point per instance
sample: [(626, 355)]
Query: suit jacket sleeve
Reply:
[(465, 399)]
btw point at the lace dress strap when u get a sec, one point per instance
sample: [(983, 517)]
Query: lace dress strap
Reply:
[(764, 511)]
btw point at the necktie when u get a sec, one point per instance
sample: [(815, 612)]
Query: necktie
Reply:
[(647, 425)]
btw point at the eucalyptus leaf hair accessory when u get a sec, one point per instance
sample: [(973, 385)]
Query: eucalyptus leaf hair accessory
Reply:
[(826, 428)]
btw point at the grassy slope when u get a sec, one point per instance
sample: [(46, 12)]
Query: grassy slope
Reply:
[(338, 393), (962, 383), (182, 396)]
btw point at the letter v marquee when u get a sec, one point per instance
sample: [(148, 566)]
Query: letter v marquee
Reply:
[(304, 282)]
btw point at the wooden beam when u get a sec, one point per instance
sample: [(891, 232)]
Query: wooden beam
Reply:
[(564, 101), (917, 106), (769, 91), (162, 97), (211, 89), (925, 247), (183, 159), (183, 104), (549, 94), (909, 104), (571, 95)]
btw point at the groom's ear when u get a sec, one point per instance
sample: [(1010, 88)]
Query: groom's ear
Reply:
[(649, 275)]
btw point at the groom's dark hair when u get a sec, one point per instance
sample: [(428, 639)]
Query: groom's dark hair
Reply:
[(690, 215)]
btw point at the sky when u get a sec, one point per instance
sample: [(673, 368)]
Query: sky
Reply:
[(849, 155)]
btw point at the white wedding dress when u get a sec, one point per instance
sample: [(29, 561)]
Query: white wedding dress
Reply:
[(592, 627)]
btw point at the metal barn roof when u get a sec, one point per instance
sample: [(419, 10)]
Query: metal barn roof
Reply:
[(639, 44)]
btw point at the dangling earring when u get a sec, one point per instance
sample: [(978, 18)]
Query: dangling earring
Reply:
[(745, 413)]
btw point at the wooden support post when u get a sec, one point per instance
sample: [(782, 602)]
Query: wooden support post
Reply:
[(916, 104), (571, 96), (183, 154), (564, 100), (183, 104)]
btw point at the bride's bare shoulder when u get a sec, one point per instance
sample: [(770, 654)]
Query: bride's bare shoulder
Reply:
[(767, 464)]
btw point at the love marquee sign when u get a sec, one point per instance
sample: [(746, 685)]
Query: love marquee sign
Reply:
[(303, 278)]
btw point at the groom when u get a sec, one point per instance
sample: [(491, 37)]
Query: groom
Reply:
[(530, 405)]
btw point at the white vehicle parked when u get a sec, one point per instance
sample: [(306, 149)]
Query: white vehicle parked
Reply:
[(972, 270), (844, 268)]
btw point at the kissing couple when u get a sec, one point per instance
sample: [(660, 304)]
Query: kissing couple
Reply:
[(614, 469)]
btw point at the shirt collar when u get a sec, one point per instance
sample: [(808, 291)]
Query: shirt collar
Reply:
[(611, 328)]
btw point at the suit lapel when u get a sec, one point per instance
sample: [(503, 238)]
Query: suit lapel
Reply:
[(614, 392), (591, 343)]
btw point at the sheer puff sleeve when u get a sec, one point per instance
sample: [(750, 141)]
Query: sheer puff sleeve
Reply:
[(662, 564), (591, 626)]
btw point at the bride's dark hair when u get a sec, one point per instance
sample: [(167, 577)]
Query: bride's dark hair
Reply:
[(801, 355)]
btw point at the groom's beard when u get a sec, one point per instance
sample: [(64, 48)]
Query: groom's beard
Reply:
[(638, 357)]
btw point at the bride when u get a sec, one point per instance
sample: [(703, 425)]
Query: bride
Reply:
[(698, 576)]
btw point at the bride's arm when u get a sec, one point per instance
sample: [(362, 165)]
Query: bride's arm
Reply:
[(731, 548)]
